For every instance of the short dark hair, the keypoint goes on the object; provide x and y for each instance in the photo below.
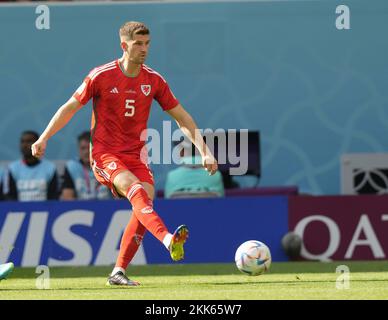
(30, 132)
(84, 136)
(130, 28)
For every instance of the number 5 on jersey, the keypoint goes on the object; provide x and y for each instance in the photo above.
(130, 107)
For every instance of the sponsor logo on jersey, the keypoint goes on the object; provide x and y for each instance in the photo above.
(146, 89)
(114, 90)
(112, 165)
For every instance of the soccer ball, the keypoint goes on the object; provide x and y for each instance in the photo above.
(253, 258)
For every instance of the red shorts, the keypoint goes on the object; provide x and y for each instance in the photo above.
(106, 166)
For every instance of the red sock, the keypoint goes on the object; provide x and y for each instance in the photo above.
(142, 208)
(130, 242)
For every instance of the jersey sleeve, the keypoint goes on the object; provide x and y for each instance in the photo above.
(85, 91)
(164, 96)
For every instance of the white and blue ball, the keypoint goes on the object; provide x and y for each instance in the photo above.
(253, 258)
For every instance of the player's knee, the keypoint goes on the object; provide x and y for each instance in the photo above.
(123, 182)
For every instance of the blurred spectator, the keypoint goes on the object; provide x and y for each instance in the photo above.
(30, 179)
(191, 180)
(78, 181)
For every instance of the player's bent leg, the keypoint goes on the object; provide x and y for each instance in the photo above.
(142, 205)
(174, 242)
(143, 209)
(5, 270)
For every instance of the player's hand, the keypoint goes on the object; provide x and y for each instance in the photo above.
(38, 148)
(210, 164)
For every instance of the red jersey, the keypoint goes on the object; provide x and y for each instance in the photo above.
(121, 105)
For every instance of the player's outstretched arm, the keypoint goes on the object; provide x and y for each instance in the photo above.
(188, 126)
(57, 122)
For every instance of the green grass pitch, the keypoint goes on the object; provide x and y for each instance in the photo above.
(291, 280)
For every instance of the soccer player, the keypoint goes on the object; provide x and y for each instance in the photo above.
(122, 93)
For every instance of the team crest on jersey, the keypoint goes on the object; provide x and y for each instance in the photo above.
(112, 165)
(146, 89)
